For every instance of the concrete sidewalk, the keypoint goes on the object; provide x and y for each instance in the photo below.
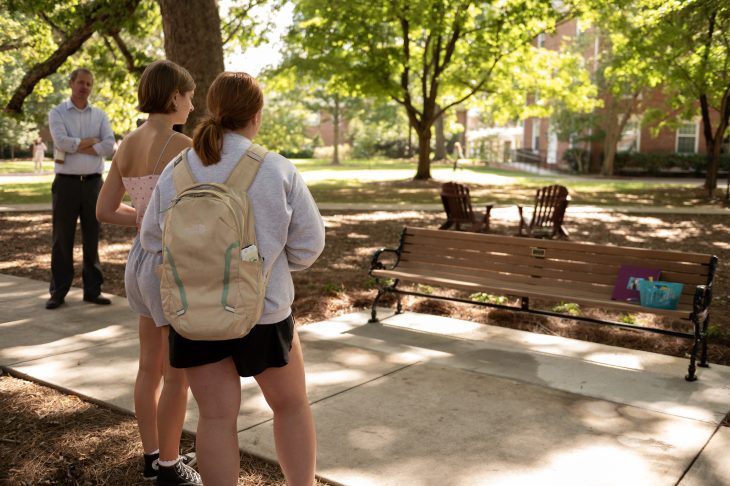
(422, 400)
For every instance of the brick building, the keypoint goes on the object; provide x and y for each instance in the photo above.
(540, 138)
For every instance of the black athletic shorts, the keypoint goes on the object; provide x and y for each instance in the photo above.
(266, 346)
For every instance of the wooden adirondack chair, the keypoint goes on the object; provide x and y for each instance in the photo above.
(547, 217)
(459, 213)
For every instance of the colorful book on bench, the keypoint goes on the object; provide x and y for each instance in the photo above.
(625, 287)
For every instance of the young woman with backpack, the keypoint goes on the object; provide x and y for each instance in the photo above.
(165, 93)
(290, 236)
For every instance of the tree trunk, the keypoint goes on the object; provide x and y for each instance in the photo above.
(609, 146)
(609, 159)
(336, 132)
(424, 154)
(713, 163)
(714, 140)
(409, 152)
(193, 40)
(615, 130)
(440, 149)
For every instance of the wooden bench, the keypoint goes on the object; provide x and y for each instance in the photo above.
(564, 271)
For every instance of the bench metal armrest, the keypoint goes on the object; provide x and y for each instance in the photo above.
(701, 302)
(376, 264)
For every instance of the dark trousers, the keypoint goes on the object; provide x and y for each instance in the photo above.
(74, 198)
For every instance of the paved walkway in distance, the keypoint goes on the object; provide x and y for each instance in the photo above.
(499, 211)
(420, 400)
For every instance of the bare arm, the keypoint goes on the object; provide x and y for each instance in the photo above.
(86, 146)
(109, 206)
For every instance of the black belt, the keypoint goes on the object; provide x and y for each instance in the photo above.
(81, 177)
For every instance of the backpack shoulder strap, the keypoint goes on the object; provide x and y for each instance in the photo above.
(245, 172)
(182, 177)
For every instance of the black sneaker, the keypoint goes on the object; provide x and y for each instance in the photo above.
(150, 466)
(189, 459)
(178, 475)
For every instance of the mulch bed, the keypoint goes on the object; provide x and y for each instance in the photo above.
(50, 438)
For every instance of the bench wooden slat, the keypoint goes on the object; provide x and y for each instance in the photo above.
(579, 272)
(587, 288)
(526, 291)
(495, 252)
(577, 247)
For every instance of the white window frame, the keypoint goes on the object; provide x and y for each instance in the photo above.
(535, 135)
(697, 137)
(633, 119)
(541, 40)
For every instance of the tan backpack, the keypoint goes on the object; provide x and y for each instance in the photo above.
(211, 281)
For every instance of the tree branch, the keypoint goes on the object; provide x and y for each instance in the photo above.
(405, 75)
(60, 32)
(67, 48)
(476, 88)
(11, 46)
(131, 65)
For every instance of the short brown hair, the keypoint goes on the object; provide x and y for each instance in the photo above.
(159, 83)
(75, 73)
(233, 101)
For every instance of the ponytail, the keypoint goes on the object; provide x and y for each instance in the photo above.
(233, 100)
(208, 140)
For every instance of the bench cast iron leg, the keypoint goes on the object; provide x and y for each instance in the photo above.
(399, 306)
(693, 356)
(373, 311)
(703, 356)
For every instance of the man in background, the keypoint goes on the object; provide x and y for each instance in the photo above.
(83, 133)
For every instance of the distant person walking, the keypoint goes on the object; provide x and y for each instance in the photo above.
(39, 151)
(290, 237)
(166, 93)
(83, 133)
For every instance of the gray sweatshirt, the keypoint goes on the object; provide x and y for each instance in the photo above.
(289, 229)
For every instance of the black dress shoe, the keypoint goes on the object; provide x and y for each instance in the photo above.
(98, 299)
(54, 301)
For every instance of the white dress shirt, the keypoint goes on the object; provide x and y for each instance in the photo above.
(69, 125)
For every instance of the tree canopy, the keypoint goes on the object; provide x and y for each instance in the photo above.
(427, 55)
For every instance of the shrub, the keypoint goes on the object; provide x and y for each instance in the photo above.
(577, 159)
(488, 298)
(568, 308)
(328, 151)
(655, 163)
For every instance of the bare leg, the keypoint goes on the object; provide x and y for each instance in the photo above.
(147, 386)
(217, 389)
(172, 406)
(286, 393)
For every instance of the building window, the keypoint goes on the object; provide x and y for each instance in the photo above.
(541, 39)
(536, 134)
(687, 138)
(630, 140)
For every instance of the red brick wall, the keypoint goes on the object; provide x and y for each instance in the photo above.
(326, 131)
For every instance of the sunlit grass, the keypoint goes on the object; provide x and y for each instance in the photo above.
(22, 166)
(389, 181)
(25, 193)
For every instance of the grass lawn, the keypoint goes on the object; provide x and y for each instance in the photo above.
(22, 166)
(384, 181)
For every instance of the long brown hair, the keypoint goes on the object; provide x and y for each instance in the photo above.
(233, 101)
(159, 82)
